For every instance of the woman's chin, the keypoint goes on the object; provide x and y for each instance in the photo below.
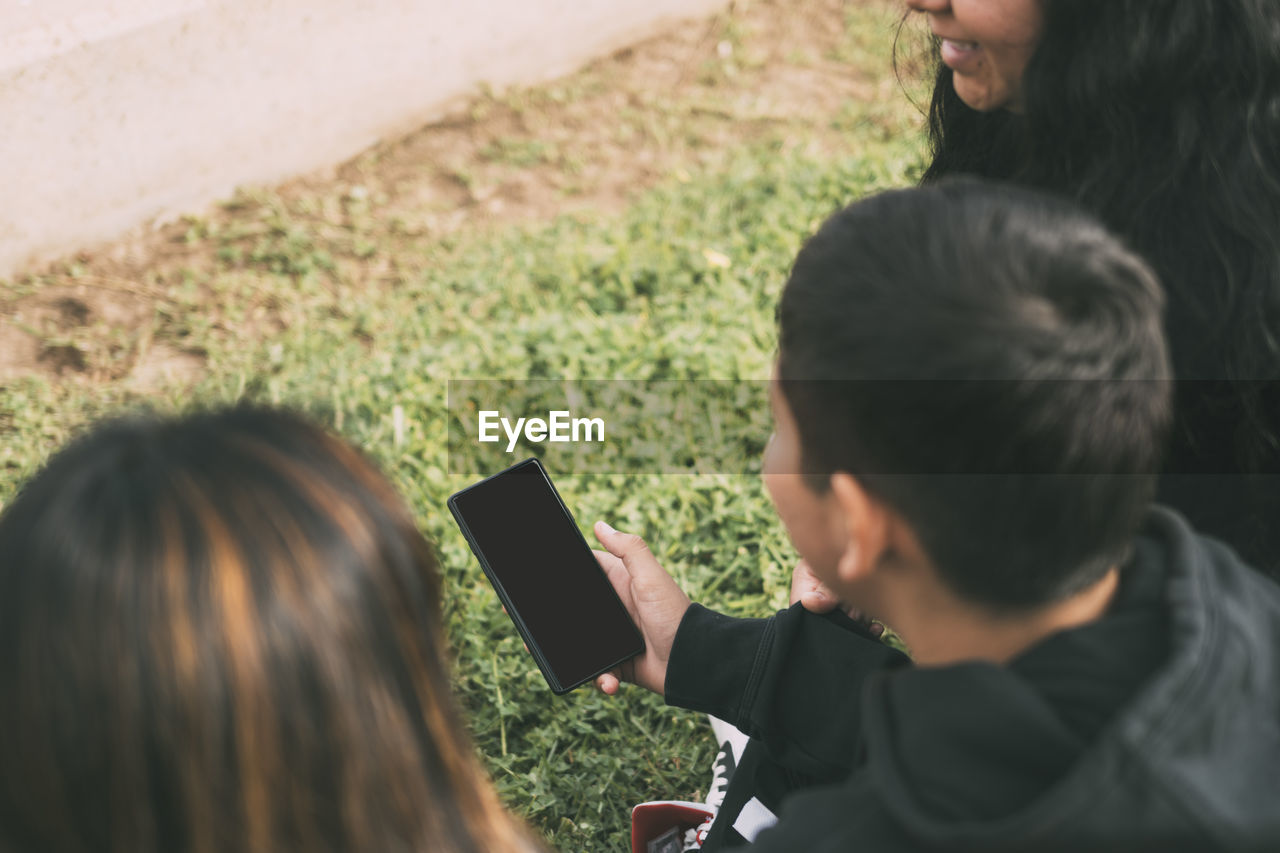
(980, 97)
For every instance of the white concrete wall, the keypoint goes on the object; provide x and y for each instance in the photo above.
(117, 111)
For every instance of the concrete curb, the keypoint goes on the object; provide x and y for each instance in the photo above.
(123, 112)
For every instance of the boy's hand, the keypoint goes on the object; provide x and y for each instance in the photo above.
(817, 597)
(809, 591)
(654, 600)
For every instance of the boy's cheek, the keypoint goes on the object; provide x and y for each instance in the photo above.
(804, 516)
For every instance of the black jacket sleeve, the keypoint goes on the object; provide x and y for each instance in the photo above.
(834, 819)
(792, 681)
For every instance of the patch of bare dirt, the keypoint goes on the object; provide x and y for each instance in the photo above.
(672, 105)
(19, 352)
(57, 328)
(163, 366)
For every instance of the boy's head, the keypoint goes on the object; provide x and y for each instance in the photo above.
(984, 364)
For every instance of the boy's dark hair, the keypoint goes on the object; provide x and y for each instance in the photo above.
(990, 363)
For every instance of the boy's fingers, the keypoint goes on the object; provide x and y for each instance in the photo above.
(812, 593)
(817, 601)
(504, 610)
(629, 548)
(607, 683)
(616, 572)
(611, 564)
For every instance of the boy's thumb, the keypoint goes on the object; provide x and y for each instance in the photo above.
(625, 545)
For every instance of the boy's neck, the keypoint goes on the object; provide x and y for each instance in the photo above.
(939, 629)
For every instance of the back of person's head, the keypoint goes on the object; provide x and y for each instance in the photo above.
(223, 632)
(988, 362)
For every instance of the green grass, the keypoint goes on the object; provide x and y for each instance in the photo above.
(627, 297)
(643, 294)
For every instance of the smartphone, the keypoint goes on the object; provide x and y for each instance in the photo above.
(555, 592)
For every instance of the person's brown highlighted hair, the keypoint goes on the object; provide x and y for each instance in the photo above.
(222, 632)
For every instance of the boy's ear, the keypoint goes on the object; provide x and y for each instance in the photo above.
(866, 528)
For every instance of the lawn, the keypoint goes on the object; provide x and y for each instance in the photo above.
(357, 296)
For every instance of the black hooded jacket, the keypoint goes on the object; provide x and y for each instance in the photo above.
(1156, 727)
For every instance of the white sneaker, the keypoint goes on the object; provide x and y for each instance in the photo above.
(732, 742)
(694, 838)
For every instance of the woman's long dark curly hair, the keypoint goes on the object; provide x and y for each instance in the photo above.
(1162, 117)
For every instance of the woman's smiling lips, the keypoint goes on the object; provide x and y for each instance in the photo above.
(957, 54)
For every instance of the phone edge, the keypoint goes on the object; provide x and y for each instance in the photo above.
(539, 658)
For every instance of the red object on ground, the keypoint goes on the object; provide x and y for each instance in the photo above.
(650, 820)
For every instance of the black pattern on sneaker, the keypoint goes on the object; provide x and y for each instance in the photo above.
(721, 773)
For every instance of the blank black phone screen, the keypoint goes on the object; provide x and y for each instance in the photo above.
(546, 573)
